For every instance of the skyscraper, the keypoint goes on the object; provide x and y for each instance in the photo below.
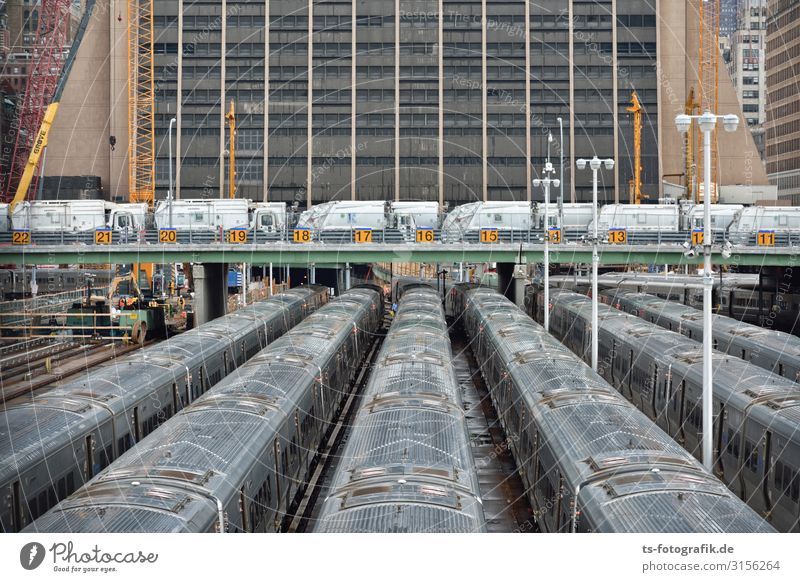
(432, 100)
(783, 112)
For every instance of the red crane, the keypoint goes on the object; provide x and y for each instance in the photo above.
(46, 63)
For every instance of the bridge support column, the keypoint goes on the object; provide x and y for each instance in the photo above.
(505, 274)
(210, 291)
(347, 277)
(270, 279)
(520, 282)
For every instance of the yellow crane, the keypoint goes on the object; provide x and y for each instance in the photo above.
(141, 111)
(40, 142)
(690, 109)
(636, 183)
(709, 76)
(141, 102)
(231, 117)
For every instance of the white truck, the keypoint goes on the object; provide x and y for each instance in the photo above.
(344, 215)
(415, 214)
(476, 216)
(78, 216)
(639, 218)
(722, 216)
(208, 215)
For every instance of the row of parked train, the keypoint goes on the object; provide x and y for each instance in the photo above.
(590, 460)
(650, 351)
(20, 283)
(735, 295)
(667, 222)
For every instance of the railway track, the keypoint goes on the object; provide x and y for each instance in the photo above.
(505, 505)
(38, 365)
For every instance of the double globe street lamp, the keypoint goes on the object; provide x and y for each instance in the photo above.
(707, 123)
(595, 164)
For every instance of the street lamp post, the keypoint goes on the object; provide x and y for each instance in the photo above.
(707, 122)
(545, 184)
(561, 173)
(169, 192)
(595, 163)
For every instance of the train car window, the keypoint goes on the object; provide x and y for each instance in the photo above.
(136, 428)
(89, 457)
(17, 506)
(42, 506)
(175, 396)
(243, 510)
(225, 361)
(733, 443)
(780, 369)
(105, 456)
(750, 456)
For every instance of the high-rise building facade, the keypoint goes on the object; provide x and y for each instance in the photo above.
(729, 16)
(783, 98)
(397, 99)
(746, 66)
(359, 95)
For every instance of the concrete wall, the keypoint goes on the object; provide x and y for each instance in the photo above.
(739, 160)
(79, 139)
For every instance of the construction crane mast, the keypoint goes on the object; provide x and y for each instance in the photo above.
(141, 102)
(690, 108)
(40, 101)
(636, 184)
(709, 76)
(231, 117)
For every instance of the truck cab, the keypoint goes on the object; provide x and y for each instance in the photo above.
(268, 217)
(127, 217)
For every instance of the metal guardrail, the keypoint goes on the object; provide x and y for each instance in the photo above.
(382, 236)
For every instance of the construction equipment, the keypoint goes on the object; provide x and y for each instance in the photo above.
(709, 76)
(46, 81)
(231, 117)
(690, 109)
(141, 112)
(636, 183)
(141, 102)
(131, 316)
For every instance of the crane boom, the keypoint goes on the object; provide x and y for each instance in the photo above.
(231, 117)
(636, 109)
(40, 142)
(141, 103)
(689, 109)
(709, 75)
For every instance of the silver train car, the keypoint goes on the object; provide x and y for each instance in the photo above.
(589, 460)
(234, 460)
(408, 464)
(16, 283)
(772, 350)
(52, 444)
(756, 413)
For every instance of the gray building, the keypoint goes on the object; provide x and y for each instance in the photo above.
(358, 96)
(783, 98)
(729, 16)
(384, 99)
